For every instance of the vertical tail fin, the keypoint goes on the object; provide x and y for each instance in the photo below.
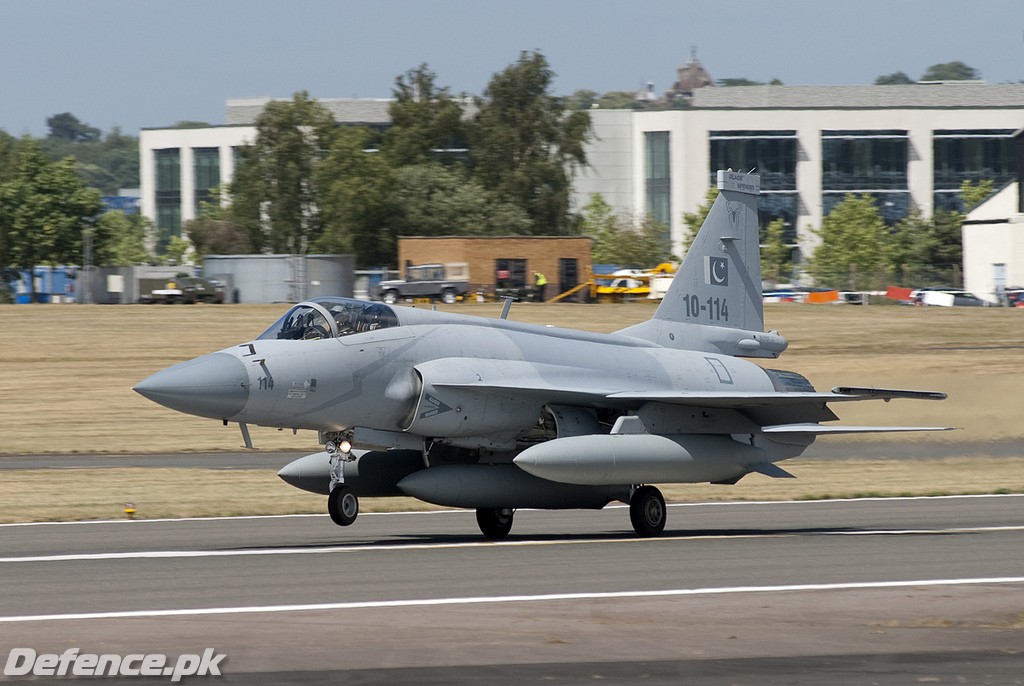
(719, 282)
(714, 302)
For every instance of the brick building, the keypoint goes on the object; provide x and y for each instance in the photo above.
(500, 262)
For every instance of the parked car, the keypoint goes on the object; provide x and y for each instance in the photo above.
(422, 281)
(946, 297)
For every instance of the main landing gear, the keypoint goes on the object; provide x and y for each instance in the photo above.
(494, 522)
(647, 511)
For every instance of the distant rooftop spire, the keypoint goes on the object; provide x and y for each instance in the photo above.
(692, 76)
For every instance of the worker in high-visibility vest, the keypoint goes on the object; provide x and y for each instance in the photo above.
(540, 282)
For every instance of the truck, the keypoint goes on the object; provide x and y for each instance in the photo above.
(434, 281)
(186, 289)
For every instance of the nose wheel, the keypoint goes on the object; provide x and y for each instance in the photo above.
(647, 511)
(342, 505)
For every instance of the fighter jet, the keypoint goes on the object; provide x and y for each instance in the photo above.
(495, 415)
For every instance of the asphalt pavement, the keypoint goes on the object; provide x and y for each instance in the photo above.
(890, 591)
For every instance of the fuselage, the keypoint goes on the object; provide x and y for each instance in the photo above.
(386, 378)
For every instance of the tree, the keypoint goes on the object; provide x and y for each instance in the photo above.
(854, 241)
(44, 209)
(951, 71)
(177, 251)
(582, 99)
(8, 155)
(107, 163)
(776, 254)
(726, 83)
(975, 194)
(67, 127)
(354, 198)
(120, 239)
(212, 235)
(694, 220)
(117, 155)
(600, 223)
(526, 146)
(618, 241)
(896, 78)
(907, 256)
(434, 200)
(425, 120)
(619, 100)
(274, 191)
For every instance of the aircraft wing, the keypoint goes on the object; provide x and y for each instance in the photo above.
(556, 383)
(794, 412)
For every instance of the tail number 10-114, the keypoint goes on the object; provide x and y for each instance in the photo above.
(715, 309)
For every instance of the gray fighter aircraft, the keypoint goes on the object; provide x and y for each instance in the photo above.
(497, 415)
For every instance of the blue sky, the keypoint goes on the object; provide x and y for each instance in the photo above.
(141, 63)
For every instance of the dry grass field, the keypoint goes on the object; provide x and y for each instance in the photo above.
(66, 373)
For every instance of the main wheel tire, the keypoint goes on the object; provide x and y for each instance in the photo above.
(343, 506)
(647, 511)
(494, 522)
(448, 296)
(390, 297)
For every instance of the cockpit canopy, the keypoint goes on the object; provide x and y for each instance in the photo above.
(330, 318)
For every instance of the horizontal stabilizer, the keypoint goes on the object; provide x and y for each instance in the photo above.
(887, 393)
(819, 430)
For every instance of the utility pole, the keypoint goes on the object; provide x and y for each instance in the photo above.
(85, 278)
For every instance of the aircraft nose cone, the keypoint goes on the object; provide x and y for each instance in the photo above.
(215, 386)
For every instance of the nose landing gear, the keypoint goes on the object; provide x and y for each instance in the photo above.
(342, 503)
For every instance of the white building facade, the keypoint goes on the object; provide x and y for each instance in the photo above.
(179, 167)
(908, 146)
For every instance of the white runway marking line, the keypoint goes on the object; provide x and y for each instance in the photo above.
(710, 503)
(399, 547)
(383, 604)
(225, 518)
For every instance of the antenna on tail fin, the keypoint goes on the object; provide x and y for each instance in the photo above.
(714, 302)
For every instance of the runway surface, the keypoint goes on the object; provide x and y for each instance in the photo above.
(892, 591)
(256, 459)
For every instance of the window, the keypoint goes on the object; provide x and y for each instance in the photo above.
(970, 155)
(206, 172)
(772, 155)
(509, 273)
(864, 160)
(168, 195)
(657, 148)
(867, 162)
(893, 207)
